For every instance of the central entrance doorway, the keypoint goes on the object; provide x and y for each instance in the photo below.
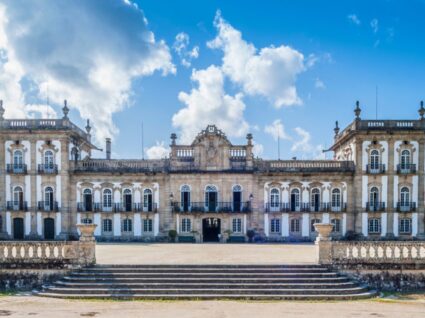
(211, 228)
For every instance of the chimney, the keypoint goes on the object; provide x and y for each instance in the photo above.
(108, 148)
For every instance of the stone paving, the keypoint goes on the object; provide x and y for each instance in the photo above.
(137, 253)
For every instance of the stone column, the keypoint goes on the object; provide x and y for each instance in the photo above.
(3, 232)
(357, 192)
(421, 189)
(87, 245)
(390, 190)
(68, 207)
(32, 172)
(323, 243)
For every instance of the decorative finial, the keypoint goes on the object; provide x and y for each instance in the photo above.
(422, 110)
(1, 109)
(88, 127)
(249, 138)
(357, 111)
(336, 129)
(173, 139)
(65, 109)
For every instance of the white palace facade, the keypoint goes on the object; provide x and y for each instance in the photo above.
(211, 189)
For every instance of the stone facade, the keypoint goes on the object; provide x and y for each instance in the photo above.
(211, 189)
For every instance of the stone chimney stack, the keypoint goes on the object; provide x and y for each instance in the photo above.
(108, 148)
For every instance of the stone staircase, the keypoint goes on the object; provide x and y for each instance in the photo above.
(257, 282)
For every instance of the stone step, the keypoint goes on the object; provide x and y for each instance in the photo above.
(222, 266)
(203, 270)
(362, 295)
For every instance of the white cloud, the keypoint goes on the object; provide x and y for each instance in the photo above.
(276, 130)
(318, 83)
(209, 104)
(304, 146)
(270, 72)
(374, 25)
(258, 149)
(353, 19)
(88, 52)
(159, 151)
(181, 47)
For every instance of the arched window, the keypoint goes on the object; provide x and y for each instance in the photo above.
(211, 198)
(274, 198)
(87, 200)
(107, 225)
(48, 159)
(48, 199)
(336, 225)
(404, 198)
(405, 159)
(107, 199)
(185, 197)
(147, 200)
(237, 198)
(295, 200)
(374, 199)
(312, 222)
(18, 159)
(127, 198)
(127, 225)
(295, 226)
(336, 199)
(18, 198)
(374, 160)
(315, 199)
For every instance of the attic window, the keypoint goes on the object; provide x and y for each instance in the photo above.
(16, 142)
(406, 142)
(48, 142)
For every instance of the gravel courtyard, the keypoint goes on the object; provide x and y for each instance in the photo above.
(134, 253)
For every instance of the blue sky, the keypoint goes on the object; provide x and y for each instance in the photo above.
(331, 53)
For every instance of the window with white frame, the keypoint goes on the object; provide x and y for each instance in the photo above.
(275, 226)
(374, 198)
(295, 199)
(127, 225)
(374, 226)
(237, 225)
(147, 200)
(405, 159)
(274, 198)
(147, 225)
(295, 226)
(404, 197)
(405, 226)
(48, 159)
(315, 199)
(336, 225)
(87, 221)
(18, 158)
(312, 222)
(336, 198)
(107, 198)
(374, 159)
(186, 225)
(185, 197)
(107, 225)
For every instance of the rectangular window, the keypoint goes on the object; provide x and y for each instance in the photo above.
(147, 225)
(295, 225)
(186, 225)
(314, 221)
(374, 226)
(405, 226)
(107, 225)
(336, 225)
(237, 225)
(127, 225)
(275, 226)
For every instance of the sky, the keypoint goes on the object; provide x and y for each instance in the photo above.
(282, 70)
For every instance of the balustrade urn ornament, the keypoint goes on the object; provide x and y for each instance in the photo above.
(357, 110)
(65, 109)
(422, 110)
(324, 230)
(87, 231)
(336, 129)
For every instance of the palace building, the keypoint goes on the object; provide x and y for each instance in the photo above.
(211, 189)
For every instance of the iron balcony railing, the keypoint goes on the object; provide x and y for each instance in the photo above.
(375, 169)
(135, 207)
(47, 206)
(17, 205)
(305, 207)
(213, 207)
(375, 206)
(48, 169)
(16, 168)
(88, 207)
(406, 206)
(406, 168)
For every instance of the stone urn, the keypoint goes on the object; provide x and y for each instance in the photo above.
(324, 230)
(87, 231)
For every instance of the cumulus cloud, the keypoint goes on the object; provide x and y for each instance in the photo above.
(374, 25)
(353, 19)
(158, 151)
(258, 149)
(304, 145)
(276, 130)
(270, 72)
(318, 83)
(181, 47)
(88, 52)
(208, 103)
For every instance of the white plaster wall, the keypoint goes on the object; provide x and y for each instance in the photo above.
(27, 153)
(156, 195)
(384, 194)
(244, 224)
(415, 197)
(384, 224)
(344, 192)
(58, 159)
(326, 193)
(97, 221)
(137, 225)
(137, 196)
(8, 189)
(364, 224)
(38, 156)
(344, 223)
(58, 224)
(365, 154)
(117, 196)
(38, 189)
(397, 144)
(305, 229)
(39, 224)
(156, 224)
(395, 193)
(78, 222)
(325, 218)
(395, 224)
(27, 196)
(8, 223)
(414, 224)
(266, 195)
(305, 193)
(117, 224)
(7, 157)
(285, 192)
(415, 154)
(178, 223)
(59, 190)
(27, 227)
(285, 224)
(266, 224)
(97, 196)
(364, 190)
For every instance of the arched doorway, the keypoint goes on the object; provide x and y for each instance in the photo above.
(49, 229)
(211, 228)
(18, 228)
(211, 198)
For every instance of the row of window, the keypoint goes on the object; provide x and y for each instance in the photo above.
(295, 225)
(336, 198)
(126, 225)
(404, 226)
(186, 225)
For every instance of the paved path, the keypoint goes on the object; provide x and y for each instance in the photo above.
(136, 253)
(19, 306)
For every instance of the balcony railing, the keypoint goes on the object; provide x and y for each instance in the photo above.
(375, 169)
(375, 206)
(214, 207)
(406, 206)
(47, 169)
(17, 206)
(47, 206)
(406, 168)
(88, 207)
(305, 207)
(16, 168)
